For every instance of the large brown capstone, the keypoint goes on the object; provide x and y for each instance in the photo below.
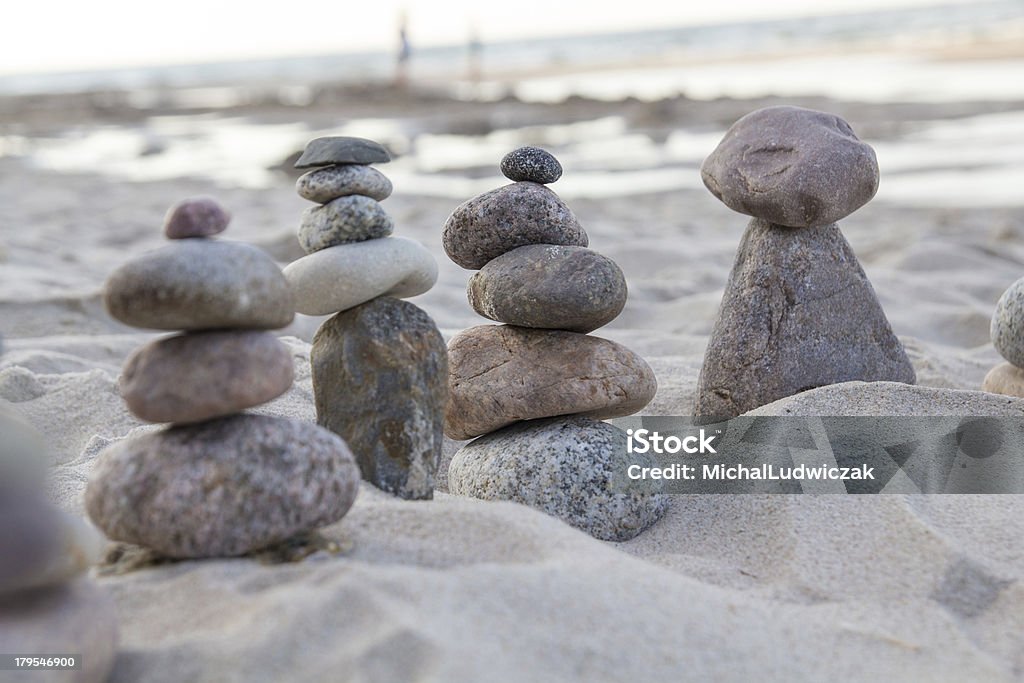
(512, 216)
(797, 313)
(380, 381)
(792, 166)
(202, 375)
(221, 488)
(499, 374)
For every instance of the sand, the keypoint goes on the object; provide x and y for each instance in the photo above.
(728, 588)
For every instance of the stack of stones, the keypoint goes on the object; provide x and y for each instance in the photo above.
(798, 311)
(214, 482)
(1008, 338)
(46, 605)
(379, 364)
(538, 385)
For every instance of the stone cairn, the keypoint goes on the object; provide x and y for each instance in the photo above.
(538, 386)
(214, 482)
(379, 364)
(47, 606)
(1008, 338)
(798, 311)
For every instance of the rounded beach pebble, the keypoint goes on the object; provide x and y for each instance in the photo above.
(548, 286)
(74, 618)
(196, 217)
(342, 150)
(531, 163)
(325, 184)
(1005, 379)
(200, 285)
(1008, 324)
(342, 221)
(488, 225)
(222, 488)
(499, 374)
(199, 376)
(338, 278)
(565, 467)
(793, 167)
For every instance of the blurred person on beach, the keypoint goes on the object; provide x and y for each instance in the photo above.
(404, 53)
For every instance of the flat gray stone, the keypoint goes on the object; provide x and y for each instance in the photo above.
(379, 379)
(871, 399)
(196, 217)
(488, 225)
(197, 284)
(1007, 328)
(342, 277)
(798, 313)
(74, 618)
(565, 467)
(331, 182)
(343, 221)
(203, 375)
(531, 163)
(222, 488)
(792, 166)
(548, 286)
(342, 150)
(499, 374)
(41, 545)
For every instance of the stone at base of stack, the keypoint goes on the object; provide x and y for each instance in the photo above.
(533, 390)
(216, 482)
(379, 363)
(1007, 332)
(46, 605)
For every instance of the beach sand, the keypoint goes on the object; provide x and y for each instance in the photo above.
(725, 588)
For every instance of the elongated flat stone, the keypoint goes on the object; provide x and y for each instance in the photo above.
(342, 150)
(324, 184)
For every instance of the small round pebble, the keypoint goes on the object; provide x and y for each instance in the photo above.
(569, 467)
(331, 182)
(531, 163)
(342, 221)
(222, 488)
(196, 217)
(1005, 379)
(203, 375)
(1008, 324)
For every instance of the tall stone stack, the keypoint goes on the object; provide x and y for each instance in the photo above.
(798, 311)
(47, 606)
(535, 388)
(379, 364)
(1008, 337)
(216, 481)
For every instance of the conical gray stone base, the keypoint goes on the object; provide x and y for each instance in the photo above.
(798, 313)
(380, 377)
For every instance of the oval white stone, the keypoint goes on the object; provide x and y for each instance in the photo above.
(338, 278)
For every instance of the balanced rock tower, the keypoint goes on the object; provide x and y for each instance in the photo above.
(1008, 338)
(47, 606)
(798, 311)
(214, 482)
(379, 364)
(538, 385)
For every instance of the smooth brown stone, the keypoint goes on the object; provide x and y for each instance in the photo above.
(499, 374)
(199, 376)
(1006, 379)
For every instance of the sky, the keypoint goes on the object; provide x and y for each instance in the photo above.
(71, 35)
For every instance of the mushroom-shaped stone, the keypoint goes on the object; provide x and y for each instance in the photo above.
(342, 150)
(793, 167)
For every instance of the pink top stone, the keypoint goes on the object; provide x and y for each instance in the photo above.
(195, 217)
